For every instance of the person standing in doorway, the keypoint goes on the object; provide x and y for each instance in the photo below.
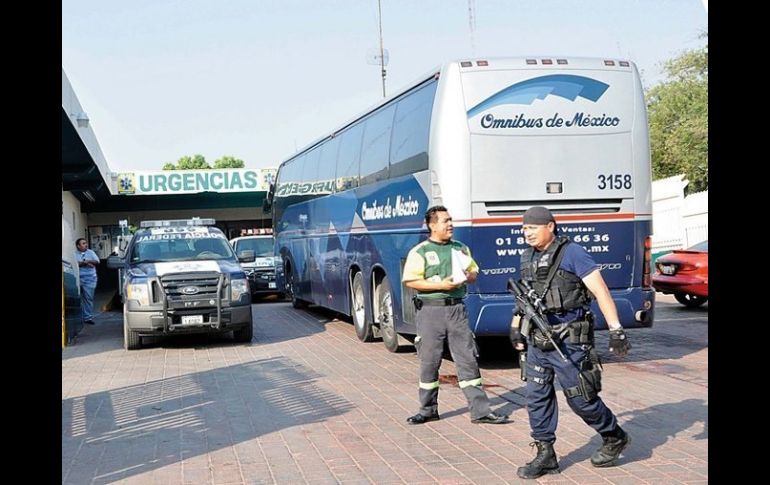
(439, 269)
(87, 261)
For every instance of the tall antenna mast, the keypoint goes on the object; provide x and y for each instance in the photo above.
(382, 52)
(379, 56)
(472, 25)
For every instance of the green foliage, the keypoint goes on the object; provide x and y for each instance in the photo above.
(229, 162)
(198, 162)
(678, 117)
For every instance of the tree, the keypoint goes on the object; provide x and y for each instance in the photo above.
(229, 162)
(196, 162)
(678, 117)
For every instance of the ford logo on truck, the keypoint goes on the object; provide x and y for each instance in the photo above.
(190, 290)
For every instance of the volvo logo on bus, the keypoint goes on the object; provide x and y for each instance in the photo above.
(190, 290)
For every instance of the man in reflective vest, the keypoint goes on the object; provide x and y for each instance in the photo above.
(438, 268)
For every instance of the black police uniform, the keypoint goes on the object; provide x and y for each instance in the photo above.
(566, 306)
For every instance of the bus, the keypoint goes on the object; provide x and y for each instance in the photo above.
(487, 138)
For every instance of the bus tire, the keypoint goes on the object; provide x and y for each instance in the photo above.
(291, 289)
(390, 337)
(363, 327)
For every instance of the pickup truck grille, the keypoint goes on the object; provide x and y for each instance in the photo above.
(191, 286)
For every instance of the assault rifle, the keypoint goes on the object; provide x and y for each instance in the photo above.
(531, 306)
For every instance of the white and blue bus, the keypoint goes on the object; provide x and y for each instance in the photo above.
(487, 139)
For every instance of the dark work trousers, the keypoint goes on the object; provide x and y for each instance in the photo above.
(436, 324)
(541, 396)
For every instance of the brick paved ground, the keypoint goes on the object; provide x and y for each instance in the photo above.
(306, 402)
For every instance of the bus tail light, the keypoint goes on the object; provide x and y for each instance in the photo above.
(435, 188)
(646, 278)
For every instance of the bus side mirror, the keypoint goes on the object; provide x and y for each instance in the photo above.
(267, 204)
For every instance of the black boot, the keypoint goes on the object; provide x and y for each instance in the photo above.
(544, 462)
(610, 450)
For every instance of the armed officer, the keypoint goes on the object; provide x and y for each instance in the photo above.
(441, 316)
(565, 278)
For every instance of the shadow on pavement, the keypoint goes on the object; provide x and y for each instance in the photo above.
(112, 435)
(655, 425)
(274, 321)
(676, 332)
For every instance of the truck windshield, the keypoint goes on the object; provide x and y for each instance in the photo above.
(262, 247)
(181, 250)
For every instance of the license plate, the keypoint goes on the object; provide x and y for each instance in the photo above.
(667, 269)
(271, 284)
(191, 319)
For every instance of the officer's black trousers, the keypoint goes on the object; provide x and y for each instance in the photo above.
(435, 325)
(541, 395)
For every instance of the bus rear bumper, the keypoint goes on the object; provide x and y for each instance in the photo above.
(636, 308)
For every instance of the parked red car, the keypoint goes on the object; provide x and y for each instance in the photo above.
(685, 273)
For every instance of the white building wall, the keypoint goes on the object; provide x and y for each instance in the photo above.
(73, 226)
(73, 223)
(667, 202)
(695, 218)
(678, 221)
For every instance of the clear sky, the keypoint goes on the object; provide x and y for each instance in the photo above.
(259, 79)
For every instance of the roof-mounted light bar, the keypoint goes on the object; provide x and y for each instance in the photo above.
(195, 221)
(257, 231)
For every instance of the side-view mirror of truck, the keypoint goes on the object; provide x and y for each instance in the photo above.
(115, 262)
(247, 256)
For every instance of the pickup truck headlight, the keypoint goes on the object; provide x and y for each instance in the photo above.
(139, 292)
(238, 287)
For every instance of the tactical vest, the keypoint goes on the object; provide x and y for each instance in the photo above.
(566, 291)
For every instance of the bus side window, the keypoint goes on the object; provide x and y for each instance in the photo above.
(411, 130)
(327, 165)
(310, 172)
(376, 146)
(348, 157)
